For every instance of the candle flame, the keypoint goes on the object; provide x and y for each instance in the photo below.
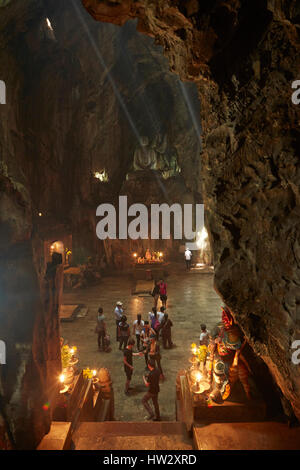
(49, 24)
(62, 378)
(198, 376)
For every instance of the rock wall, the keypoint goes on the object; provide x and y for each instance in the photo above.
(243, 55)
(63, 121)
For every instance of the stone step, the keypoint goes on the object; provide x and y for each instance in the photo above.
(117, 435)
(246, 436)
(59, 437)
(68, 312)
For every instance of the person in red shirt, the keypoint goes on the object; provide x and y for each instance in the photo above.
(163, 292)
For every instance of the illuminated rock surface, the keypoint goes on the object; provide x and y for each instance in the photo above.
(62, 123)
(244, 57)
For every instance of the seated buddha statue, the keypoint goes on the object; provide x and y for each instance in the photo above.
(145, 157)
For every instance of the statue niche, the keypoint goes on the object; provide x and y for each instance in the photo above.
(156, 155)
(145, 157)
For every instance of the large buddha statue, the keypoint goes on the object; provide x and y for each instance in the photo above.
(145, 157)
(156, 155)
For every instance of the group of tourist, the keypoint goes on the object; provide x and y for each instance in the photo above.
(145, 334)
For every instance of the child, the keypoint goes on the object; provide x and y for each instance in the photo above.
(155, 293)
(163, 293)
(127, 360)
(204, 335)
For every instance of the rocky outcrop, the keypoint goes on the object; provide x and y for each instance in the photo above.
(243, 55)
(68, 114)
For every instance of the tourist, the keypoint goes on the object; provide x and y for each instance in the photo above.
(166, 326)
(188, 258)
(154, 353)
(145, 338)
(101, 329)
(128, 367)
(119, 311)
(204, 335)
(138, 326)
(161, 314)
(163, 292)
(123, 332)
(155, 293)
(154, 321)
(152, 382)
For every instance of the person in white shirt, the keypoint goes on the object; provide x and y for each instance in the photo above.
(188, 258)
(161, 314)
(204, 335)
(119, 312)
(138, 326)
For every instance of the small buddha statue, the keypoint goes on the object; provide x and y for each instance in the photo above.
(148, 255)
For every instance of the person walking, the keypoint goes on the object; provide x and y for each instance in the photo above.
(123, 332)
(166, 332)
(138, 326)
(154, 354)
(161, 314)
(155, 293)
(188, 258)
(101, 329)
(119, 311)
(145, 338)
(154, 321)
(163, 292)
(152, 383)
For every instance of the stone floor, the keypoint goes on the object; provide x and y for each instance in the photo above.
(191, 301)
(131, 436)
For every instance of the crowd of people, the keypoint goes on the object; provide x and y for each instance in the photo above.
(144, 335)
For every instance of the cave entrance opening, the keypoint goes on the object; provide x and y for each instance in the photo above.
(57, 247)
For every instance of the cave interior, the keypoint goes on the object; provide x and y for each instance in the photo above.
(178, 104)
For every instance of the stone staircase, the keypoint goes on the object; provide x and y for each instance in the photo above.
(116, 435)
(234, 425)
